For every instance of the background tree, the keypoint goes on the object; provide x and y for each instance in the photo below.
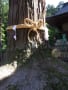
(60, 5)
(51, 9)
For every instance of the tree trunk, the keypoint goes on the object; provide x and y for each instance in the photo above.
(21, 9)
(18, 11)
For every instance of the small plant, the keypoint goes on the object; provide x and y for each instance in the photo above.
(12, 87)
(3, 38)
(22, 56)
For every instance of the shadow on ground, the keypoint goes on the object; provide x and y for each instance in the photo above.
(39, 71)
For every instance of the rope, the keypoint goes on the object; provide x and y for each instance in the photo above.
(37, 35)
(35, 27)
(28, 23)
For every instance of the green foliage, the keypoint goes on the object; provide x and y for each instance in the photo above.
(51, 10)
(3, 38)
(4, 18)
(53, 32)
(4, 11)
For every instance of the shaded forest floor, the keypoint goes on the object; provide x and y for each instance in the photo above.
(40, 72)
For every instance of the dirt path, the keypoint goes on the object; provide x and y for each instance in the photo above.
(42, 75)
(24, 79)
